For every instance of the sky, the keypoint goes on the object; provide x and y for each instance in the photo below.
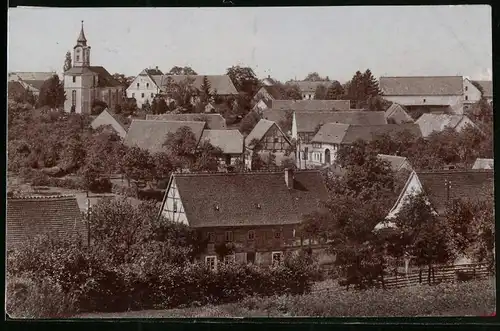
(283, 42)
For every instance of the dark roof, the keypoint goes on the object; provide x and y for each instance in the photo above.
(430, 123)
(254, 198)
(15, 88)
(398, 113)
(214, 121)
(53, 215)
(487, 86)
(222, 84)
(35, 83)
(229, 141)
(154, 72)
(105, 79)
(275, 91)
(310, 86)
(422, 85)
(308, 121)
(311, 105)
(274, 115)
(472, 184)
(151, 134)
(396, 162)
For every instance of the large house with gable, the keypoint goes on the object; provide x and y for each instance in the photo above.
(308, 88)
(487, 87)
(84, 84)
(30, 81)
(430, 123)
(257, 214)
(213, 121)
(397, 114)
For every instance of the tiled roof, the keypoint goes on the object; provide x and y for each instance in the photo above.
(398, 114)
(255, 198)
(214, 121)
(220, 83)
(230, 141)
(108, 117)
(308, 121)
(487, 86)
(472, 184)
(336, 133)
(105, 79)
(154, 72)
(438, 122)
(483, 164)
(39, 76)
(311, 105)
(15, 88)
(53, 215)
(274, 115)
(258, 131)
(37, 84)
(396, 162)
(275, 91)
(309, 86)
(425, 85)
(151, 134)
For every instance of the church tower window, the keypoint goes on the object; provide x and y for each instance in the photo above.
(73, 98)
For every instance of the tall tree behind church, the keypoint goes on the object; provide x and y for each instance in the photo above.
(52, 93)
(67, 62)
(363, 91)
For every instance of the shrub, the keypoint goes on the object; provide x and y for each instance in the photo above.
(101, 185)
(124, 190)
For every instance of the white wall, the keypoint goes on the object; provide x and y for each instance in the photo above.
(146, 86)
(414, 187)
(316, 155)
(168, 207)
(471, 93)
(424, 100)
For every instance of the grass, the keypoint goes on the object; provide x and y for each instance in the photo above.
(475, 298)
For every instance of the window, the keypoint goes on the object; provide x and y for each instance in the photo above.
(277, 235)
(251, 235)
(316, 145)
(424, 100)
(74, 79)
(306, 151)
(175, 206)
(152, 95)
(133, 95)
(276, 139)
(230, 258)
(137, 85)
(466, 97)
(211, 237)
(276, 257)
(147, 85)
(211, 262)
(142, 95)
(229, 236)
(466, 88)
(78, 58)
(73, 98)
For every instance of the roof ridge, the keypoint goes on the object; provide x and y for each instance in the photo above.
(156, 121)
(456, 171)
(43, 197)
(454, 76)
(252, 172)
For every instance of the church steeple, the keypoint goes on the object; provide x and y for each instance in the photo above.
(81, 38)
(81, 51)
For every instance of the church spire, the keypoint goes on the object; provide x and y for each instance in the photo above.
(81, 38)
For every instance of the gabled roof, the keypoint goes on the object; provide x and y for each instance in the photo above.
(40, 76)
(398, 113)
(471, 184)
(248, 199)
(274, 115)
(105, 79)
(214, 121)
(429, 123)
(308, 121)
(222, 84)
(310, 86)
(396, 162)
(311, 105)
(15, 88)
(154, 72)
(336, 133)
(274, 91)
(422, 85)
(483, 164)
(487, 86)
(151, 134)
(109, 117)
(230, 141)
(30, 216)
(260, 130)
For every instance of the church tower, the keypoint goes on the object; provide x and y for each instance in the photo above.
(81, 52)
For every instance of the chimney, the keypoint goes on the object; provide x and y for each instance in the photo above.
(289, 178)
(156, 67)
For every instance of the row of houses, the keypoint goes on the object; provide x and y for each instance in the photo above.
(257, 213)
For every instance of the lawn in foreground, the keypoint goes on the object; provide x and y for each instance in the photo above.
(474, 298)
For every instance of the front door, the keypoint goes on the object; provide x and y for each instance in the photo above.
(327, 156)
(251, 257)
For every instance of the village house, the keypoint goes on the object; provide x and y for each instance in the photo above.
(308, 88)
(397, 114)
(330, 137)
(55, 216)
(144, 88)
(311, 105)
(229, 141)
(471, 93)
(268, 81)
(437, 94)
(305, 125)
(213, 121)
(397, 163)
(271, 139)
(255, 215)
(31, 81)
(483, 164)
(109, 118)
(487, 86)
(268, 93)
(430, 123)
(84, 84)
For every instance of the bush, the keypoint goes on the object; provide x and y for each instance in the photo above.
(101, 185)
(124, 190)
(156, 195)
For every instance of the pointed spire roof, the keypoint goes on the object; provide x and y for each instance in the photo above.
(81, 37)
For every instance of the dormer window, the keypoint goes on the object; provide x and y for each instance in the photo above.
(277, 235)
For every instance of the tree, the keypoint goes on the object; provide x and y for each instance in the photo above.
(146, 107)
(315, 77)
(206, 90)
(161, 106)
(176, 70)
(67, 62)
(137, 164)
(181, 148)
(286, 123)
(52, 93)
(291, 91)
(335, 91)
(370, 84)
(124, 81)
(182, 93)
(244, 79)
(162, 166)
(249, 122)
(207, 157)
(361, 88)
(320, 93)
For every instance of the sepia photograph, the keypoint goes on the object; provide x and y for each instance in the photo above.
(231, 162)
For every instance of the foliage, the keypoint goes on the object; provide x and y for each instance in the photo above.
(249, 122)
(182, 93)
(286, 123)
(335, 91)
(159, 106)
(176, 70)
(137, 164)
(321, 92)
(291, 91)
(162, 166)
(364, 92)
(67, 62)
(244, 79)
(52, 93)
(207, 157)
(98, 106)
(315, 77)
(181, 147)
(206, 90)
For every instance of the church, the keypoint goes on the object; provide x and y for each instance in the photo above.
(84, 84)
